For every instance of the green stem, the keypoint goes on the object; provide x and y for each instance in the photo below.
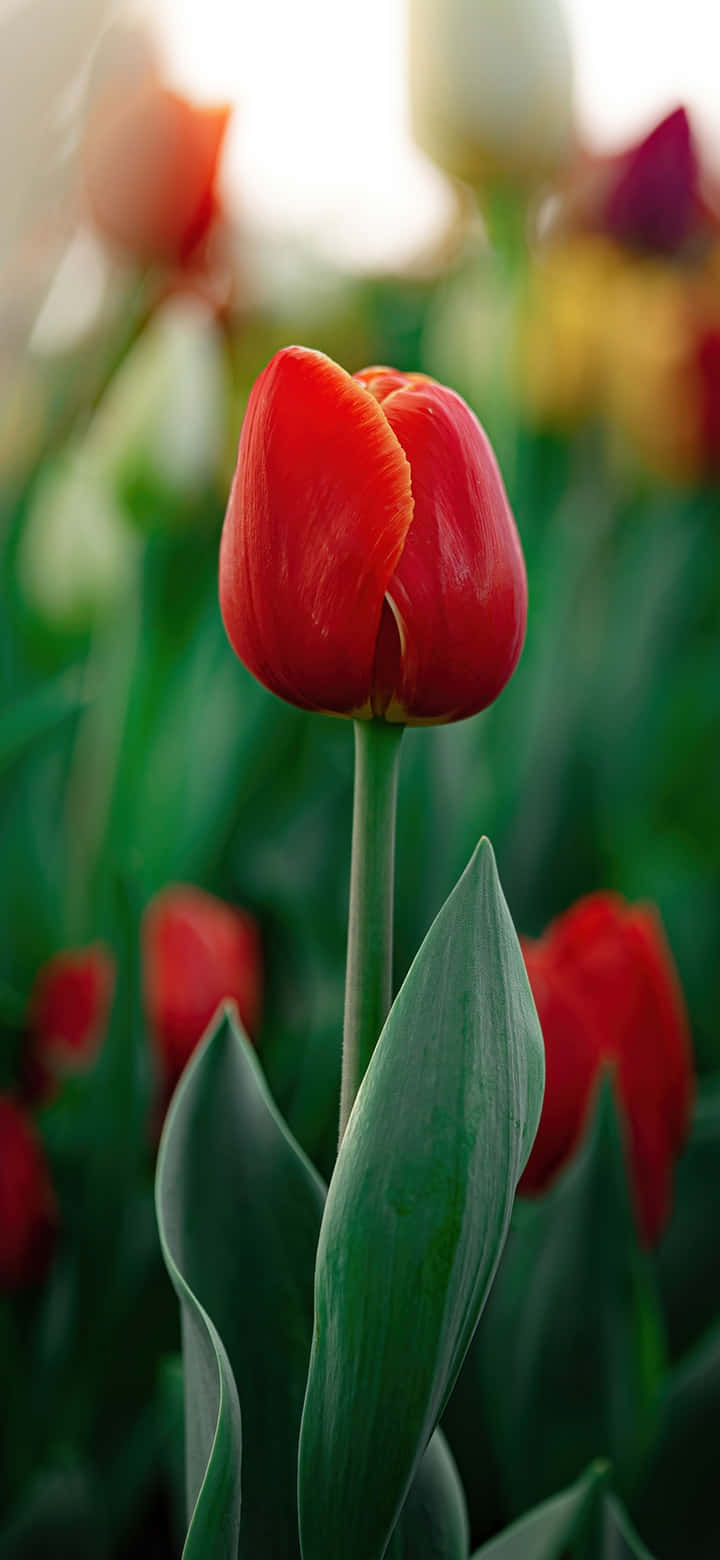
(368, 980)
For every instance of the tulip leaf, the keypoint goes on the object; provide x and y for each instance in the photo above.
(247, 1206)
(416, 1217)
(620, 1541)
(687, 1263)
(546, 1532)
(433, 1523)
(676, 1500)
(570, 1348)
(213, 1449)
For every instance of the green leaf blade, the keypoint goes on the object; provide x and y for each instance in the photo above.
(248, 1207)
(571, 1350)
(417, 1214)
(212, 1414)
(546, 1532)
(433, 1523)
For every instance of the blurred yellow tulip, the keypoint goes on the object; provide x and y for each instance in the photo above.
(562, 330)
(631, 339)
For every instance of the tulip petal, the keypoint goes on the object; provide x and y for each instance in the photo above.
(318, 515)
(459, 592)
(573, 1057)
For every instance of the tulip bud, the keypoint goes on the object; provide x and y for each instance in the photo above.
(607, 993)
(28, 1212)
(68, 1016)
(647, 197)
(369, 563)
(196, 952)
(491, 86)
(151, 161)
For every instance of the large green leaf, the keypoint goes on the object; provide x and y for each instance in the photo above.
(247, 1207)
(544, 1534)
(571, 1345)
(214, 1442)
(416, 1217)
(433, 1523)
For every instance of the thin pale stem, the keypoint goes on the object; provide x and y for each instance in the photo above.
(368, 981)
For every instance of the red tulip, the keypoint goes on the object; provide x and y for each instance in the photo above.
(369, 562)
(151, 161)
(196, 951)
(607, 992)
(28, 1212)
(68, 1016)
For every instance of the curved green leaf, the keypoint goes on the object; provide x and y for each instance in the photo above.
(571, 1344)
(249, 1206)
(416, 1217)
(544, 1534)
(433, 1524)
(213, 1449)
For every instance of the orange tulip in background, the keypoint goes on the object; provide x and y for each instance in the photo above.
(68, 1016)
(28, 1212)
(607, 993)
(196, 951)
(150, 163)
(369, 563)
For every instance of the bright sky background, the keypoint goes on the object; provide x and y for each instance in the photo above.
(321, 144)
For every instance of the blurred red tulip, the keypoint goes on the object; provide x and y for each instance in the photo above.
(652, 200)
(28, 1211)
(151, 162)
(68, 1015)
(607, 992)
(370, 564)
(196, 951)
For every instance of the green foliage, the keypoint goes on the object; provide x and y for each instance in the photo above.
(570, 1348)
(687, 1263)
(433, 1523)
(547, 1532)
(240, 1208)
(416, 1217)
(36, 714)
(676, 1502)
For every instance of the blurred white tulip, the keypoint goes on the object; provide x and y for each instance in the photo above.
(76, 556)
(491, 86)
(164, 413)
